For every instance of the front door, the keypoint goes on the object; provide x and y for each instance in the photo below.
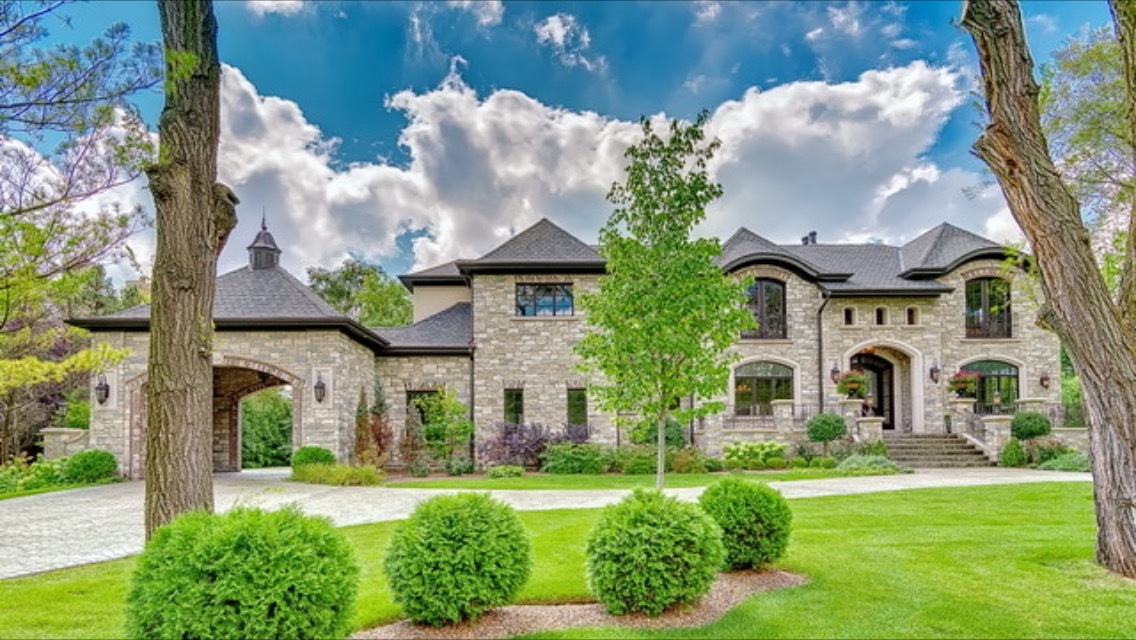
(881, 385)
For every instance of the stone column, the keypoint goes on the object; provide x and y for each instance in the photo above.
(997, 434)
(870, 429)
(850, 411)
(783, 419)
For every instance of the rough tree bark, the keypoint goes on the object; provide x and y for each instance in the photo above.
(194, 216)
(1098, 333)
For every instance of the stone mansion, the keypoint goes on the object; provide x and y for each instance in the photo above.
(499, 330)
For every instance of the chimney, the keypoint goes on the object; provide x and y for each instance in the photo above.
(804, 239)
(812, 237)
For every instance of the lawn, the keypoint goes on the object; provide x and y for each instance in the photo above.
(548, 481)
(997, 562)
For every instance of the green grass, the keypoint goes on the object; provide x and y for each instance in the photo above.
(548, 481)
(991, 562)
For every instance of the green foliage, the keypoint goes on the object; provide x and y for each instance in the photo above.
(714, 465)
(875, 465)
(665, 313)
(826, 427)
(877, 448)
(1013, 455)
(755, 521)
(20, 474)
(570, 457)
(363, 292)
(689, 460)
(266, 438)
(831, 463)
(447, 425)
(1028, 425)
(640, 460)
(312, 455)
(650, 552)
(776, 463)
(1069, 461)
(374, 437)
(1072, 401)
(336, 474)
(458, 466)
(245, 574)
(648, 433)
(798, 463)
(457, 557)
(741, 455)
(1046, 450)
(89, 467)
(77, 415)
(853, 384)
(505, 471)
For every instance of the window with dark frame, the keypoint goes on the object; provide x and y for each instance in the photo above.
(997, 390)
(767, 304)
(988, 312)
(849, 316)
(412, 403)
(912, 316)
(535, 300)
(758, 384)
(578, 406)
(881, 316)
(514, 406)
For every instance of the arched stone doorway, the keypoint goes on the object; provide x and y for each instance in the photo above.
(233, 379)
(898, 392)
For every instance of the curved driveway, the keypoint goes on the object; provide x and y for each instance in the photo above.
(80, 526)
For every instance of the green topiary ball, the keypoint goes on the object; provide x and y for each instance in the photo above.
(245, 574)
(755, 521)
(89, 466)
(826, 427)
(1028, 425)
(312, 455)
(457, 557)
(649, 552)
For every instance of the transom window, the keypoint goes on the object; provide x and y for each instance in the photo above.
(545, 300)
(997, 385)
(758, 384)
(988, 308)
(767, 304)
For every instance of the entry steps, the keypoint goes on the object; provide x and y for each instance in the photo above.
(934, 451)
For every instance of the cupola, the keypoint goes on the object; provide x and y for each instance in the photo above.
(263, 252)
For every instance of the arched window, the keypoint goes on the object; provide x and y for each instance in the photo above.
(997, 385)
(757, 384)
(767, 303)
(988, 308)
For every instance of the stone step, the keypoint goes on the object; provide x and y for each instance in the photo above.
(934, 451)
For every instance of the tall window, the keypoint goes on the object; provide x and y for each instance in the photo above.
(514, 406)
(412, 404)
(881, 315)
(988, 308)
(757, 384)
(912, 316)
(545, 300)
(849, 316)
(767, 303)
(997, 385)
(578, 406)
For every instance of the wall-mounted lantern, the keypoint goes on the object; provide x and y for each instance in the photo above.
(1044, 381)
(935, 372)
(102, 390)
(320, 388)
(835, 373)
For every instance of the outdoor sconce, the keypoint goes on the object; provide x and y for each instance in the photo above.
(935, 372)
(320, 388)
(1044, 380)
(102, 390)
(835, 373)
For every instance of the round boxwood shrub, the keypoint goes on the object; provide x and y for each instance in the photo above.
(88, 467)
(755, 521)
(1028, 425)
(1013, 455)
(650, 552)
(244, 574)
(826, 427)
(457, 557)
(312, 455)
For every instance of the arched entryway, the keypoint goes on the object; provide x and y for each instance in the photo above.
(897, 388)
(881, 386)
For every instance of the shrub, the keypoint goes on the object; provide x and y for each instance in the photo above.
(1049, 449)
(714, 465)
(857, 465)
(1071, 461)
(458, 466)
(648, 433)
(20, 474)
(573, 458)
(775, 463)
(829, 463)
(742, 453)
(642, 460)
(803, 450)
(244, 574)
(336, 474)
(650, 551)
(77, 415)
(505, 471)
(517, 444)
(877, 448)
(689, 460)
(755, 521)
(88, 467)
(447, 426)
(1028, 425)
(798, 463)
(457, 557)
(1013, 455)
(312, 455)
(824, 428)
(755, 465)
(266, 430)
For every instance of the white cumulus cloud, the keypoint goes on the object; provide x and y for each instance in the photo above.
(569, 40)
(489, 13)
(282, 7)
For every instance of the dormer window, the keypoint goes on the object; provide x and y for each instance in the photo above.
(545, 300)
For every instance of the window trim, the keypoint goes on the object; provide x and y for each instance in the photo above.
(881, 314)
(583, 393)
(518, 400)
(531, 289)
(762, 409)
(778, 329)
(979, 322)
(912, 316)
(849, 316)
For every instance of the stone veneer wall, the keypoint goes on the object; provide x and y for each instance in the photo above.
(421, 373)
(343, 364)
(534, 354)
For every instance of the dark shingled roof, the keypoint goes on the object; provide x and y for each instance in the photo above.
(443, 274)
(944, 248)
(449, 330)
(543, 245)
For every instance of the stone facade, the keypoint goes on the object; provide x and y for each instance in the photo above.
(403, 375)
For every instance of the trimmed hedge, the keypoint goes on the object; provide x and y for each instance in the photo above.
(650, 552)
(244, 574)
(755, 521)
(342, 475)
(505, 471)
(457, 557)
(89, 467)
(573, 458)
(1028, 425)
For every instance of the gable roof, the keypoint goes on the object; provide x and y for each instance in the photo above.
(449, 331)
(542, 247)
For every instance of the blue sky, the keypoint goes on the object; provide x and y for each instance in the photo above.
(412, 133)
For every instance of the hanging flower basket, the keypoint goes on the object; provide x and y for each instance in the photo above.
(853, 383)
(964, 383)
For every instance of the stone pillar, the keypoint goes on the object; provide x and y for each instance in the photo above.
(997, 434)
(783, 419)
(869, 429)
(1031, 404)
(850, 410)
(60, 442)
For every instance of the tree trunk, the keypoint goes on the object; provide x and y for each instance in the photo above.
(661, 454)
(194, 218)
(1097, 333)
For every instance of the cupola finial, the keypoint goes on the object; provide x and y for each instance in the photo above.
(263, 252)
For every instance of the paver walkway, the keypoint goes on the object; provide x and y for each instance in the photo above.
(80, 526)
